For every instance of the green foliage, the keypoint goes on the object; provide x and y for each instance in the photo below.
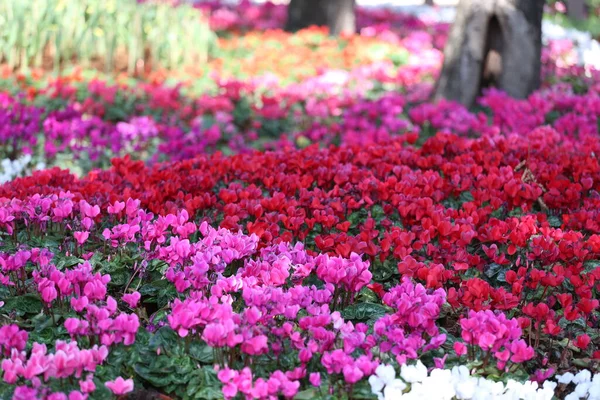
(457, 203)
(555, 221)
(383, 271)
(364, 312)
(32, 33)
(27, 304)
(168, 363)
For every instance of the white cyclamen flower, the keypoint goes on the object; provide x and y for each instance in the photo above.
(384, 375)
(583, 376)
(394, 390)
(414, 373)
(565, 378)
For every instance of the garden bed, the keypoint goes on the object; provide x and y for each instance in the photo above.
(323, 231)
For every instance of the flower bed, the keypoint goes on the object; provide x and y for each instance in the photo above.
(497, 224)
(376, 246)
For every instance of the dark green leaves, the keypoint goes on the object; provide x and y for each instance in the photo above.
(30, 304)
(364, 312)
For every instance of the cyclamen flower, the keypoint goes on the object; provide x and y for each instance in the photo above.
(116, 208)
(242, 381)
(384, 375)
(81, 237)
(460, 348)
(315, 379)
(416, 373)
(412, 328)
(132, 299)
(120, 386)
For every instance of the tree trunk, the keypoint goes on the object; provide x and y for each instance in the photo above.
(492, 43)
(341, 17)
(429, 2)
(337, 15)
(305, 13)
(576, 9)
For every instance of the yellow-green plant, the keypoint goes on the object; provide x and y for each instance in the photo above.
(35, 33)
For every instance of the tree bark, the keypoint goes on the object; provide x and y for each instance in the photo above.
(492, 43)
(305, 13)
(341, 17)
(337, 15)
(576, 9)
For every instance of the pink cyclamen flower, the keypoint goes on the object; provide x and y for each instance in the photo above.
(78, 304)
(120, 386)
(116, 208)
(520, 351)
(132, 299)
(487, 340)
(315, 379)
(48, 291)
(460, 348)
(87, 386)
(81, 237)
(440, 362)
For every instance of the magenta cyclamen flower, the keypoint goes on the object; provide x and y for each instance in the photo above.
(132, 299)
(81, 236)
(120, 386)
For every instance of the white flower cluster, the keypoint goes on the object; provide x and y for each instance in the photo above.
(444, 384)
(586, 387)
(10, 169)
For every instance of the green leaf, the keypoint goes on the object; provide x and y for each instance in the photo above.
(119, 278)
(166, 339)
(308, 394)
(364, 311)
(466, 196)
(377, 212)
(158, 377)
(383, 271)
(591, 265)
(26, 304)
(68, 262)
(555, 221)
(492, 270)
(209, 393)
(201, 352)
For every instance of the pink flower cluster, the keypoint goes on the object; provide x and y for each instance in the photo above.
(412, 327)
(494, 334)
(350, 274)
(268, 320)
(12, 338)
(191, 263)
(37, 368)
(242, 382)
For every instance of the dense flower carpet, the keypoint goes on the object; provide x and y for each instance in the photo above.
(306, 224)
